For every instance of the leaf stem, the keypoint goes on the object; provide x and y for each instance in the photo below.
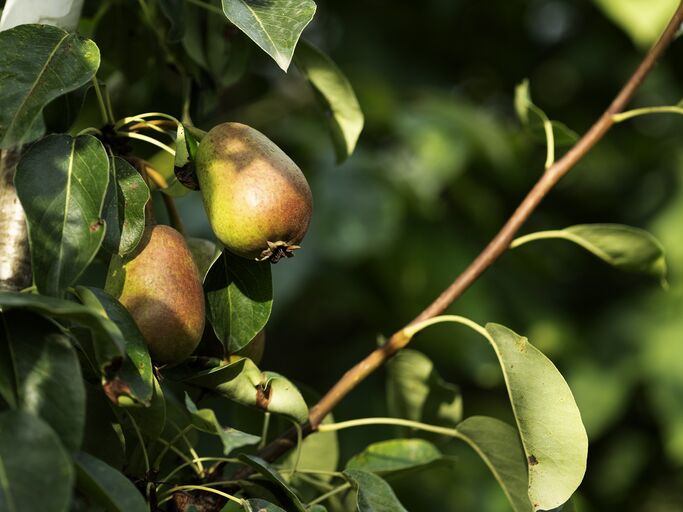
(100, 101)
(618, 118)
(362, 422)
(169, 494)
(207, 6)
(146, 138)
(264, 431)
(329, 494)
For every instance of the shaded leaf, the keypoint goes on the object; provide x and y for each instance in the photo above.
(549, 422)
(186, 145)
(275, 25)
(258, 505)
(37, 474)
(103, 436)
(373, 493)
(46, 373)
(151, 418)
(624, 247)
(124, 208)
(205, 254)
(417, 392)
(136, 372)
(499, 446)
(175, 12)
(395, 455)
(105, 486)
(61, 183)
(206, 421)
(239, 298)
(38, 63)
(265, 469)
(336, 96)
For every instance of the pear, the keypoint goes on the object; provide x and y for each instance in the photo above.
(161, 288)
(257, 200)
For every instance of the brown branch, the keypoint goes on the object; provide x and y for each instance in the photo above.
(493, 250)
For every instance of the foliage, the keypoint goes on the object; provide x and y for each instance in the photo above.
(89, 419)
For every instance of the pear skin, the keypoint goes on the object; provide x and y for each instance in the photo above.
(161, 288)
(257, 199)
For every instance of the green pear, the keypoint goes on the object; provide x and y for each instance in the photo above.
(257, 200)
(161, 288)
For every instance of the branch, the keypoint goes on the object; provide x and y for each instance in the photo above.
(493, 250)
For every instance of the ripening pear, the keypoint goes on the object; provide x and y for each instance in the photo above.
(256, 198)
(161, 288)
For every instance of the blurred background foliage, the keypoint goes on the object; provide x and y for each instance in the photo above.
(441, 164)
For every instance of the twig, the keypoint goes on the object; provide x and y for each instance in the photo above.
(498, 245)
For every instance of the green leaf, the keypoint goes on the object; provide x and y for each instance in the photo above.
(205, 254)
(175, 12)
(151, 418)
(624, 247)
(105, 487)
(206, 421)
(124, 208)
(258, 505)
(265, 469)
(239, 298)
(373, 493)
(415, 391)
(37, 475)
(38, 63)
(275, 25)
(136, 374)
(499, 446)
(103, 436)
(283, 397)
(642, 20)
(395, 455)
(47, 374)
(336, 96)
(61, 183)
(109, 350)
(549, 422)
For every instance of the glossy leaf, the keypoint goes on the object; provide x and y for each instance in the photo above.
(238, 381)
(61, 183)
(206, 421)
(239, 298)
(124, 208)
(47, 374)
(105, 487)
(37, 474)
(283, 397)
(499, 446)
(336, 96)
(415, 391)
(549, 422)
(373, 493)
(265, 469)
(135, 375)
(205, 254)
(38, 63)
(624, 247)
(109, 350)
(395, 455)
(275, 25)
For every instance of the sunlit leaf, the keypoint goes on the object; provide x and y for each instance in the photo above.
(642, 20)
(395, 455)
(336, 96)
(38, 63)
(61, 183)
(274, 25)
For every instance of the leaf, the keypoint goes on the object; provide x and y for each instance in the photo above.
(47, 374)
(205, 254)
(265, 469)
(415, 391)
(258, 505)
(283, 397)
(239, 298)
(395, 455)
(60, 13)
(185, 150)
(38, 63)
(206, 421)
(549, 422)
(124, 208)
(37, 474)
(499, 446)
(373, 493)
(642, 20)
(624, 247)
(105, 487)
(61, 183)
(151, 417)
(336, 96)
(274, 25)
(103, 436)
(175, 12)
(109, 350)
(136, 373)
